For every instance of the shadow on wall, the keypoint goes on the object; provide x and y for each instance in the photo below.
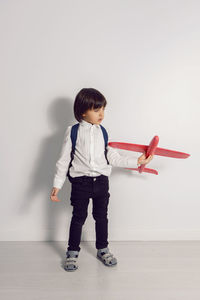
(59, 116)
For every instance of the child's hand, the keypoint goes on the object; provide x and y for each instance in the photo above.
(54, 193)
(143, 160)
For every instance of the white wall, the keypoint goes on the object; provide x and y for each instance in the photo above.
(144, 57)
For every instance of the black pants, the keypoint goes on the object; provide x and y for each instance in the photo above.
(83, 188)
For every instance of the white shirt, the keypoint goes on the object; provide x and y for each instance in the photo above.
(89, 158)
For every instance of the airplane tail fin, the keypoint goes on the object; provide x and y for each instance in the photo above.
(147, 170)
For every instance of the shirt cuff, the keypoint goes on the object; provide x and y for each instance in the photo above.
(58, 184)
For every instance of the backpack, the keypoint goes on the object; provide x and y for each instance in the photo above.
(74, 131)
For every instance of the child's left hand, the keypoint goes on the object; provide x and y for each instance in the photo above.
(143, 160)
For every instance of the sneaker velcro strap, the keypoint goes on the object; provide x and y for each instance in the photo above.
(71, 259)
(107, 257)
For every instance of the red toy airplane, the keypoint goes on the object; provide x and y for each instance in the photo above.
(150, 149)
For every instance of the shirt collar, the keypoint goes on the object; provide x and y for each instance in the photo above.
(88, 124)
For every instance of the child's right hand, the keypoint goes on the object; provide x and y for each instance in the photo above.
(54, 193)
(143, 160)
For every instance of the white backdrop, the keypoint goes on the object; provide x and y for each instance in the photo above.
(144, 57)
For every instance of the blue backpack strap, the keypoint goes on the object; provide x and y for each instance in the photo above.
(105, 135)
(74, 131)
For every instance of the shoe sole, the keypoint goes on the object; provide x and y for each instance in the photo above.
(99, 258)
(70, 270)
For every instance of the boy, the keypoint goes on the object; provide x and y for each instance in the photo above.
(89, 173)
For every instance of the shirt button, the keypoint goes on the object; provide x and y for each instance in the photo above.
(94, 179)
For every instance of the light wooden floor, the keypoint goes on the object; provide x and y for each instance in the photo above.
(146, 270)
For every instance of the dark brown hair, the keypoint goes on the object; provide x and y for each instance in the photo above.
(87, 98)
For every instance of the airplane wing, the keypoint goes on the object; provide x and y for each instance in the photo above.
(127, 146)
(143, 148)
(170, 153)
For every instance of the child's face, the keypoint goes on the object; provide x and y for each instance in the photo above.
(94, 116)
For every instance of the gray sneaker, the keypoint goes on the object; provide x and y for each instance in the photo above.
(70, 263)
(106, 257)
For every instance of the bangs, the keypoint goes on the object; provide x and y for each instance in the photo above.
(96, 103)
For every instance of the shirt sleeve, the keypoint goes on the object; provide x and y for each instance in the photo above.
(117, 160)
(62, 163)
